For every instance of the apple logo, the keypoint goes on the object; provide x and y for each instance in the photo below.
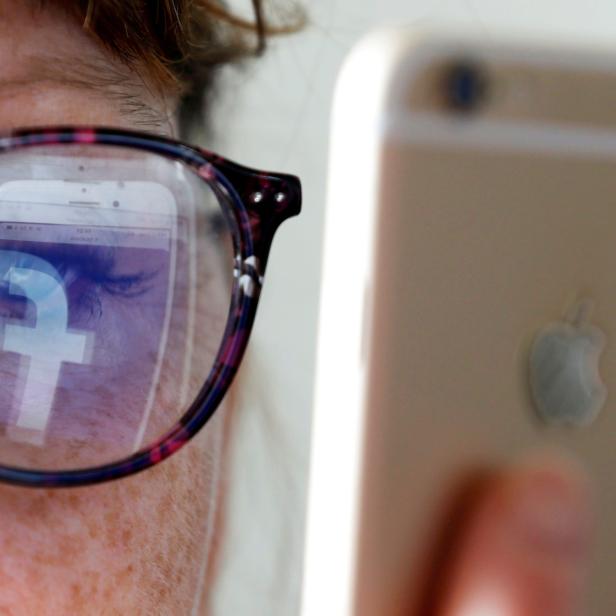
(564, 369)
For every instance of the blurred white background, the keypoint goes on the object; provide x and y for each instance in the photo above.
(275, 116)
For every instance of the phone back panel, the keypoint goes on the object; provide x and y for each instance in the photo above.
(486, 228)
(484, 250)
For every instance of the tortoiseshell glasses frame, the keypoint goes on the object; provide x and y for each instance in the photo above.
(257, 203)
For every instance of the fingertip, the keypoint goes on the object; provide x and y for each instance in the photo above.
(527, 545)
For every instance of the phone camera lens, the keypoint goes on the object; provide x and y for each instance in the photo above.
(466, 87)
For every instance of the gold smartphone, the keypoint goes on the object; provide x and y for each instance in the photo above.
(468, 311)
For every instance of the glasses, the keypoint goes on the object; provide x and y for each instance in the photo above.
(130, 271)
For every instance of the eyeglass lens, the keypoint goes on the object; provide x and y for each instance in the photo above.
(115, 284)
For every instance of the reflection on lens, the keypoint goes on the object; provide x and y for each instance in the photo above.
(114, 294)
(43, 346)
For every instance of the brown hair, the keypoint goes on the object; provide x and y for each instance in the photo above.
(181, 44)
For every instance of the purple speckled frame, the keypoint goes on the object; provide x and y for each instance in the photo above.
(258, 202)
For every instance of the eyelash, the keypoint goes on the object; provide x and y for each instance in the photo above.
(100, 279)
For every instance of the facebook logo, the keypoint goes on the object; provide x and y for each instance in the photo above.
(44, 346)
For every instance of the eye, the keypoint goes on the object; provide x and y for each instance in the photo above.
(85, 274)
(91, 276)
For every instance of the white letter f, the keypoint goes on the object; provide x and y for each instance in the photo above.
(48, 344)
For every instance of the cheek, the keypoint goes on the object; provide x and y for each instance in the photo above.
(135, 546)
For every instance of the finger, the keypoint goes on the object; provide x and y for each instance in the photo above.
(526, 548)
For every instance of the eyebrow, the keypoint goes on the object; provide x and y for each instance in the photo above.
(119, 84)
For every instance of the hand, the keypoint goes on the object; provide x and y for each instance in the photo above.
(526, 547)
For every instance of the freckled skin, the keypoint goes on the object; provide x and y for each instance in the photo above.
(134, 546)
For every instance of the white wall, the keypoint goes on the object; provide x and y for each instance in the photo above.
(276, 117)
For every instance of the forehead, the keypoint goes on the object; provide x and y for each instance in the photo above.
(53, 72)
(28, 32)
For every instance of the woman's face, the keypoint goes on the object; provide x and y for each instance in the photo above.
(145, 544)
